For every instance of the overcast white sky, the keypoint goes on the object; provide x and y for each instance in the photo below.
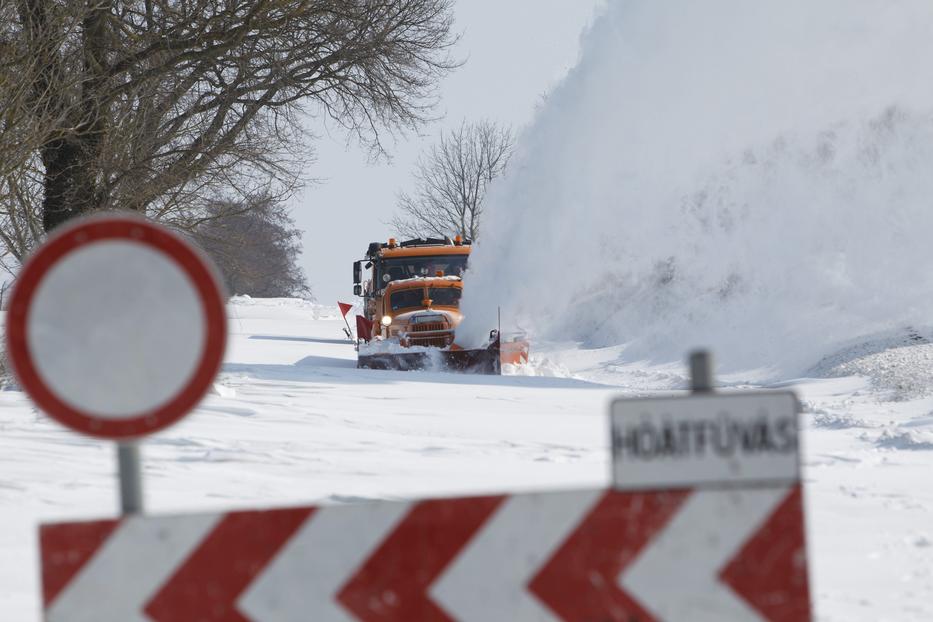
(515, 50)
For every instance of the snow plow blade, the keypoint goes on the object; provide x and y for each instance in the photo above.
(481, 361)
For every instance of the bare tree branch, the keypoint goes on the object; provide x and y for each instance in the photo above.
(160, 106)
(451, 182)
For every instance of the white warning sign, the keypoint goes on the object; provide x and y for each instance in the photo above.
(708, 439)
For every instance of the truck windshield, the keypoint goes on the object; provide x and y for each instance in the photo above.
(398, 268)
(445, 296)
(407, 298)
(440, 296)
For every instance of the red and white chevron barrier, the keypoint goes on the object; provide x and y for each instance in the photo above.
(703, 554)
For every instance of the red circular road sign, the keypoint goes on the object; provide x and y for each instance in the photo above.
(116, 327)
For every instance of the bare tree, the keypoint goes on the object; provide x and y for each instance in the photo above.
(23, 127)
(20, 215)
(159, 106)
(451, 182)
(256, 247)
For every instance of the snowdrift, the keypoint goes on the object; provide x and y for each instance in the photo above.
(750, 177)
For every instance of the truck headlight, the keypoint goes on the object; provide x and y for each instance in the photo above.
(386, 320)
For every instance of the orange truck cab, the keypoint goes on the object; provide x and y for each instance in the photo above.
(411, 295)
(413, 290)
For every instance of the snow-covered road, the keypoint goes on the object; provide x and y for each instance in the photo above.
(294, 422)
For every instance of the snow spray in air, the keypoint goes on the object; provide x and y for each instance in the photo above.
(752, 177)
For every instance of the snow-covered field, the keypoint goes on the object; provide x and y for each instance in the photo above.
(295, 422)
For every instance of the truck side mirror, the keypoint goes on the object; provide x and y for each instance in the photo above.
(357, 290)
(357, 272)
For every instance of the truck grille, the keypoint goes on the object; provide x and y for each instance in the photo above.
(427, 327)
(430, 334)
(435, 341)
(436, 334)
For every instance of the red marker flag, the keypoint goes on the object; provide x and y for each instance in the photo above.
(344, 309)
(364, 328)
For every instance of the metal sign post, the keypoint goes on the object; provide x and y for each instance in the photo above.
(701, 371)
(129, 470)
(116, 329)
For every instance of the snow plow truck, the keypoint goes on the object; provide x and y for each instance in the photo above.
(411, 310)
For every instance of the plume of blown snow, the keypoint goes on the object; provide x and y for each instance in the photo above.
(756, 178)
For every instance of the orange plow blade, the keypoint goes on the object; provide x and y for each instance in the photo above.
(514, 352)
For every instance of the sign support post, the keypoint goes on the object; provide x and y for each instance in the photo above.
(701, 371)
(129, 468)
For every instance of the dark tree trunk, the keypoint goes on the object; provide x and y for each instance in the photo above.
(68, 191)
(71, 175)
